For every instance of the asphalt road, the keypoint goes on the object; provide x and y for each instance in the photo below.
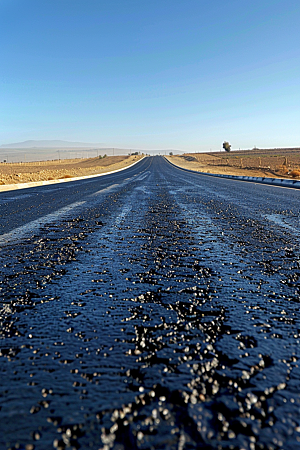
(150, 309)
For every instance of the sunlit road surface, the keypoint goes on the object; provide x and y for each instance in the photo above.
(150, 309)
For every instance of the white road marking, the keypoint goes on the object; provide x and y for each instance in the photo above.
(25, 230)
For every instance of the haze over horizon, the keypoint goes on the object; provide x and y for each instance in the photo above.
(35, 145)
(51, 143)
(41, 150)
(151, 75)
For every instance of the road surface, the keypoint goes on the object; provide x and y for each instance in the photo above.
(150, 309)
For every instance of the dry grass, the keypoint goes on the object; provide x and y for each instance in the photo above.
(277, 163)
(65, 176)
(295, 173)
(13, 173)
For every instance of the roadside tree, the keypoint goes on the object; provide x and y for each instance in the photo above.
(226, 146)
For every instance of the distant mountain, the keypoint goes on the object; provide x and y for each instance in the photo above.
(51, 144)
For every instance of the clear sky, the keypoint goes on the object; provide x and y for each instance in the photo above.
(180, 74)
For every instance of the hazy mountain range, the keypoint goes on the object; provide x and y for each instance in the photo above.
(51, 144)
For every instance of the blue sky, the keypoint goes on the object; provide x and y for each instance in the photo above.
(151, 74)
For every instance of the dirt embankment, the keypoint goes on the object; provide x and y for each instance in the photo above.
(12, 173)
(274, 163)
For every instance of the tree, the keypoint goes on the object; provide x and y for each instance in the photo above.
(226, 146)
(171, 153)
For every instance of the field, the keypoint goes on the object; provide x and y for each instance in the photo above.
(274, 163)
(12, 173)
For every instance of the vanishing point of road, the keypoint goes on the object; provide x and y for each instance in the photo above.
(152, 308)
